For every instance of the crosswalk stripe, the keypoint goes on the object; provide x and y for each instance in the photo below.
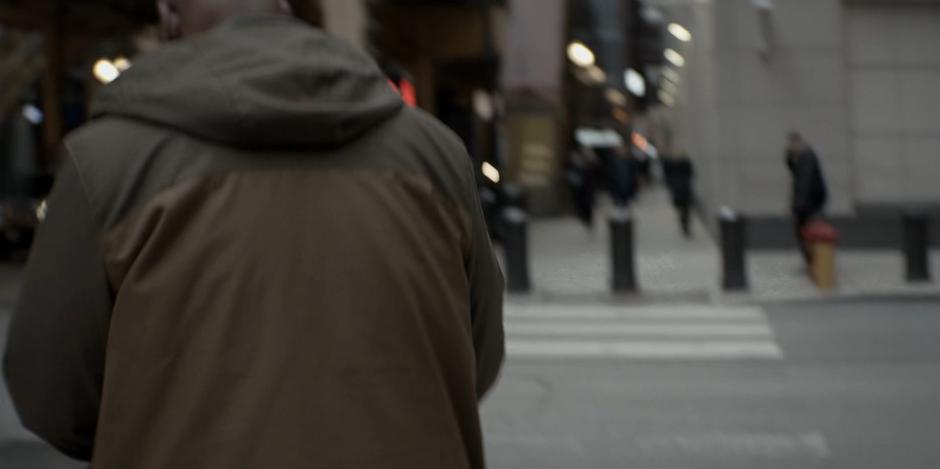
(669, 313)
(607, 329)
(671, 350)
(661, 332)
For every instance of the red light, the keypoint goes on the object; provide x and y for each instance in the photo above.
(408, 93)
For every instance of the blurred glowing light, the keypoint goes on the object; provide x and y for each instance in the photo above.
(669, 87)
(615, 97)
(680, 32)
(41, 210)
(581, 54)
(674, 57)
(666, 98)
(491, 172)
(671, 75)
(622, 116)
(32, 114)
(483, 105)
(598, 138)
(596, 74)
(122, 64)
(653, 15)
(105, 71)
(640, 141)
(635, 82)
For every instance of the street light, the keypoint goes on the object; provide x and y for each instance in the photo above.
(635, 82)
(105, 71)
(581, 54)
(490, 172)
(674, 57)
(680, 32)
(32, 114)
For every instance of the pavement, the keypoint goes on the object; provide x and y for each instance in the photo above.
(853, 385)
(571, 261)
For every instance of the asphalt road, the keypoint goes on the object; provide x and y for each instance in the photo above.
(854, 386)
(795, 386)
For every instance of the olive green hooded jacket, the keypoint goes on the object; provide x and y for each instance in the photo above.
(256, 257)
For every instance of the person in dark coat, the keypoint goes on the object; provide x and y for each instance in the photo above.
(256, 256)
(810, 194)
(679, 173)
(581, 179)
(620, 170)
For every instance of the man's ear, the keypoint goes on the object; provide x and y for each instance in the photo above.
(171, 25)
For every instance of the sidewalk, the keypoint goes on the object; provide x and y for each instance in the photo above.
(778, 276)
(570, 260)
(572, 263)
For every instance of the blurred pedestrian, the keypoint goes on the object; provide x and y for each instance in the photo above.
(679, 174)
(582, 181)
(256, 257)
(621, 176)
(809, 191)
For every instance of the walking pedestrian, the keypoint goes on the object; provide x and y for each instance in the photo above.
(581, 178)
(621, 176)
(256, 257)
(809, 191)
(679, 174)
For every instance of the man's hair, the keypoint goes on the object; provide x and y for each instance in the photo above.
(794, 136)
(309, 11)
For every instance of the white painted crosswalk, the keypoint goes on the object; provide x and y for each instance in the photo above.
(677, 333)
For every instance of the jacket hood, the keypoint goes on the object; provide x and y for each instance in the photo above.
(256, 82)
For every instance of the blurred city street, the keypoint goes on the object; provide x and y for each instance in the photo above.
(682, 375)
(678, 384)
(853, 385)
(718, 224)
(569, 261)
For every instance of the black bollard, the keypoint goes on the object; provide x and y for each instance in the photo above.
(916, 246)
(733, 251)
(516, 244)
(622, 252)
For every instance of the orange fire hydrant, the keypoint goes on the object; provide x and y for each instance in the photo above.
(821, 238)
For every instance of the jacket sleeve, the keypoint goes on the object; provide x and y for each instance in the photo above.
(486, 294)
(54, 360)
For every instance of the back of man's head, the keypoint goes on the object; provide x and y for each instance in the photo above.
(795, 141)
(184, 18)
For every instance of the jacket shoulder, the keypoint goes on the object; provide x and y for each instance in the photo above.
(437, 151)
(111, 155)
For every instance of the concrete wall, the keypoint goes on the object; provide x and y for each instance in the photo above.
(799, 86)
(347, 19)
(860, 79)
(695, 121)
(894, 82)
(736, 104)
